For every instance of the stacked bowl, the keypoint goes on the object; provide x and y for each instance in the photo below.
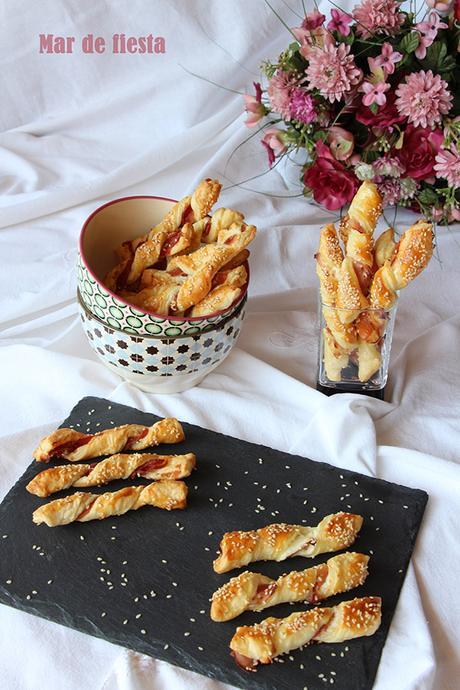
(157, 353)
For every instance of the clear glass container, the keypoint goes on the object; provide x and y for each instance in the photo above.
(354, 348)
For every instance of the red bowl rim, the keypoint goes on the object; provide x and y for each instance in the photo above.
(190, 319)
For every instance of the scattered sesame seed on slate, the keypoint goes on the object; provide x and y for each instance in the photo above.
(4, 536)
(163, 560)
(288, 484)
(218, 467)
(192, 620)
(138, 615)
(186, 634)
(174, 584)
(113, 538)
(143, 631)
(260, 461)
(124, 563)
(200, 648)
(28, 596)
(313, 510)
(246, 472)
(114, 527)
(136, 599)
(125, 622)
(166, 646)
(169, 596)
(8, 582)
(380, 500)
(406, 507)
(49, 582)
(103, 614)
(202, 611)
(400, 571)
(206, 548)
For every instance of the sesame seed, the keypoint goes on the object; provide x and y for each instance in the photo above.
(125, 621)
(144, 632)
(50, 581)
(200, 648)
(138, 615)
(103, 614)
(166, 646)
(82, 537)
(168, 596)
(8, 582)
(186, 634)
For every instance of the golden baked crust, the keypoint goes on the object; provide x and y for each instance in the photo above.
(363, 212)
(83, 507)
(255, 592)
(262, 642)
(120, 466)
(74, 445)
(227, 289)
(280, 541)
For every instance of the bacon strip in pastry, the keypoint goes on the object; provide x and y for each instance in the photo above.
(280, 541)
(190, 209)
(255, 592)
(227, 288)
(120, 466)
(74, 445)
(262, 642)
(83, 507)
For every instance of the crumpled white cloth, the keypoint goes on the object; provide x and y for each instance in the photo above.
(79, 130)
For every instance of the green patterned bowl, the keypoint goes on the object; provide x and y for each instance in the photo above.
(105, 229)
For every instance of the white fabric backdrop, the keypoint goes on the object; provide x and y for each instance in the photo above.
(78, 130)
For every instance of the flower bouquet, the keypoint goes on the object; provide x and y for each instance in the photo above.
(371, 94)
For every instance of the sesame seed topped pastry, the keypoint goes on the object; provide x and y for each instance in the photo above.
(384, 246)
(228, 289)
(83, 507)
(190, 209)
(120, 466)
(262, 642)
(280, 541)
(363, 212)
(255, 592)
(408, 260)
(74, 445)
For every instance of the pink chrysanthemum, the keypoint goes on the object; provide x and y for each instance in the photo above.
(390, 189)
(423, 98)
(333, 72)
(279, 93)
(448, 165)
(388, 166)
(377, 17)
(302, 106)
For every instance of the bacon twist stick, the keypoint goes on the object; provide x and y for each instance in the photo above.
(83, 507)
(120, 466)
(262, 642)
(280, 541)
(74, 445)
(255, 592)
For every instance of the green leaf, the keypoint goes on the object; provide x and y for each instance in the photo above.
(410, 42)
(374, 108)
(436, 55)
(427, 197)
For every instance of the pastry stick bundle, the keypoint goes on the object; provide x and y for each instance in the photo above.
(251, 591)
(191, 263)
(166, 492)
(360, 283)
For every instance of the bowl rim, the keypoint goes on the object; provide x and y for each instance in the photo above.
(190, 319)
(150, 336)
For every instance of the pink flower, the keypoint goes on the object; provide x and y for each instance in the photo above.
(332, 185)
(302, 106)
(341, 142)
(333, 71)
(390, 189)
(388, 166)
(310, 39)
(441, 5)
(274, 143)
(384, 118)
(374, 93)
(313, 20)
(428, 31)
(254, 106)
(377, 17)
(448, 165)
(279, 93)
(340, 22)
(423, 98)
(387, 59)
(417, 155)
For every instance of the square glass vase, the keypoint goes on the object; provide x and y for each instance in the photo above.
(354, 349)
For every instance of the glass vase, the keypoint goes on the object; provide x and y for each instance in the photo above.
(354, 349)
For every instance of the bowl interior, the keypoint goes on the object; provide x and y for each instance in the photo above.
(114, 223)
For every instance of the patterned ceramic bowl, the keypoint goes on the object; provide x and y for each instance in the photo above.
(162, 365)
(105, 229)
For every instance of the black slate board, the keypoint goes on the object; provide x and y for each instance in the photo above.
(98, 576)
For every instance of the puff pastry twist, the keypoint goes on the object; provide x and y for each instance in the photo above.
(83, 507)
(262, 642)
(255, 592)
(120, 466)
(74, 445)
(280, 541)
